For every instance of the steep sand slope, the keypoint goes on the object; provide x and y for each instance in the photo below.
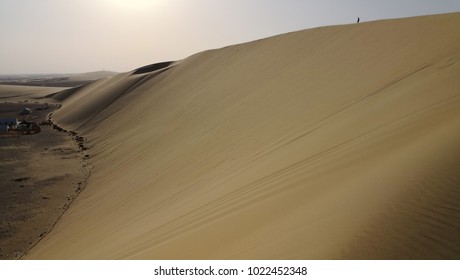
(335, 142)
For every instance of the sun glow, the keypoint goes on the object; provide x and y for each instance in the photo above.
(136, 4)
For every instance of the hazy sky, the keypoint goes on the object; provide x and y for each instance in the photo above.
(71, 36)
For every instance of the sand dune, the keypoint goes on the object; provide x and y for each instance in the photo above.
(92, 76)
(13, 93)
(331, 143)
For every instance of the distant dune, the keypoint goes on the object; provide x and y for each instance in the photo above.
(338, 142)
(92, 76)
(24, 92)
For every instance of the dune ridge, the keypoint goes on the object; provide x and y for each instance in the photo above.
(330, 143)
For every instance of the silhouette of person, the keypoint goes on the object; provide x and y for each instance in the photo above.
(357, 20)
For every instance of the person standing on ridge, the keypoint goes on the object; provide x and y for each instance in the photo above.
(357, 20)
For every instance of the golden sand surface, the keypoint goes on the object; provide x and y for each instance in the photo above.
(338, 142)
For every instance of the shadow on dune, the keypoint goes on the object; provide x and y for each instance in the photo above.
(152, 67)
